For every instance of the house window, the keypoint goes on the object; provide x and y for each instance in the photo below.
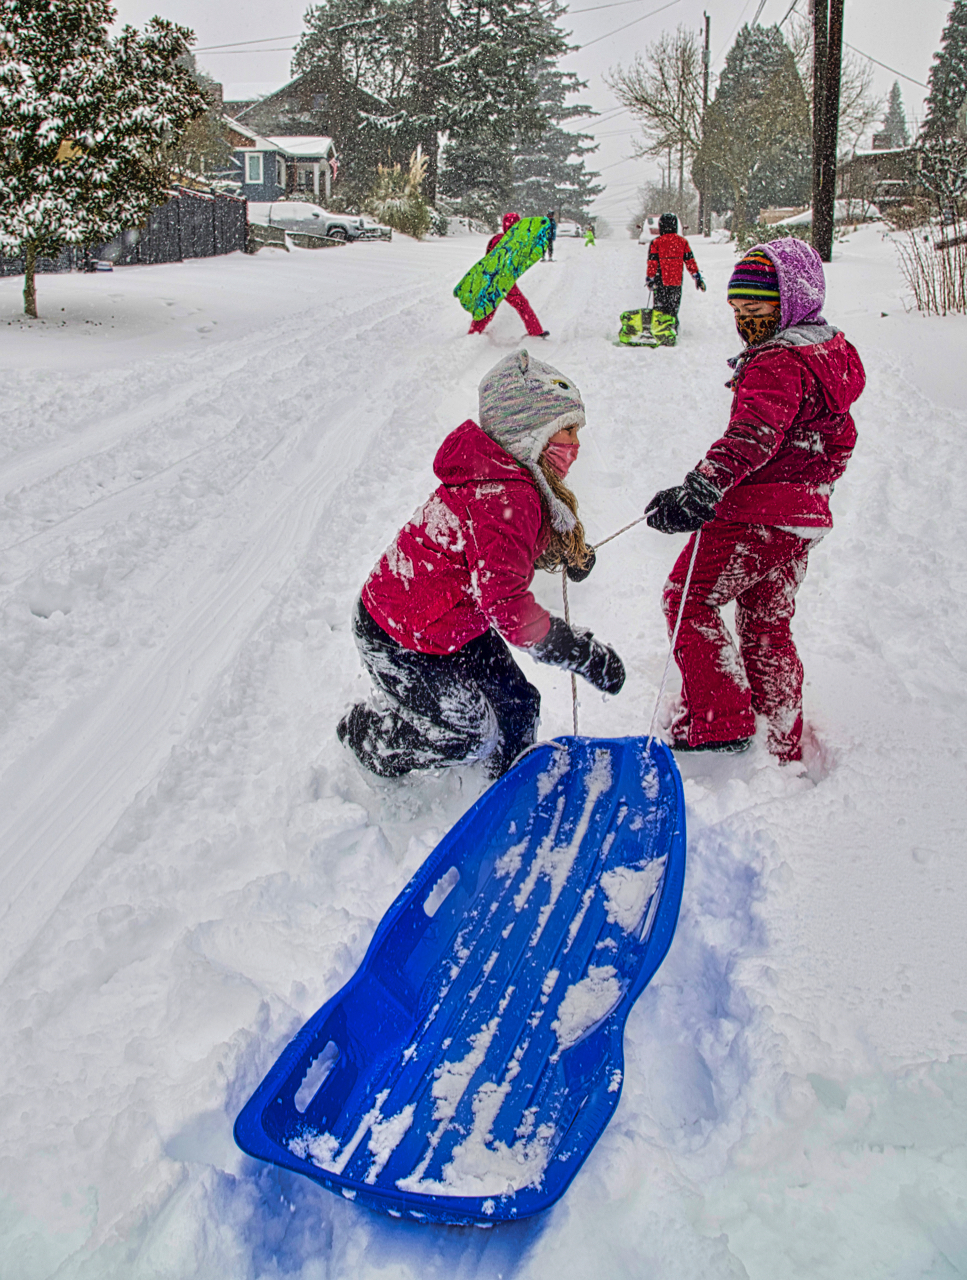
(253, 167)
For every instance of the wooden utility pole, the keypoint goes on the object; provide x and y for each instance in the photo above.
(704, 208)
(827, 63)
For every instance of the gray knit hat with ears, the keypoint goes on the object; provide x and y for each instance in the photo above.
(523, 402)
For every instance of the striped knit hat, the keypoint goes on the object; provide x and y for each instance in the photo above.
(755, 279)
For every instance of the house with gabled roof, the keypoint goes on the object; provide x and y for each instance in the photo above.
(271, 168)
(316, 104)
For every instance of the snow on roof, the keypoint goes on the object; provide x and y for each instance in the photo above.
(256, 141)
(305, 147)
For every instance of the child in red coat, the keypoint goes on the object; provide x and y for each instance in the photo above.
(669, 254)
(515, 298)
(760, 497)
(434, 616)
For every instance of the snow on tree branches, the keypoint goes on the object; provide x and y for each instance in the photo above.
(84, 124)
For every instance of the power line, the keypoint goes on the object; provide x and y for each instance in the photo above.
(607, 34)
(789, 11)
(733, 31)
(237, 44)
(614, 4)
(870, 58)
(224, 53)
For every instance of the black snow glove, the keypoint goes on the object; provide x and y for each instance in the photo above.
(576, 650)
(578, 575)
(699, 282)
(684, 508)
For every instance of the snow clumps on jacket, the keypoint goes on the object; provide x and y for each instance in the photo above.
(465, 562)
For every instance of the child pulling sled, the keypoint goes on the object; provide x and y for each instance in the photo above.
(760, 497)
(668, 255)
(434, 618)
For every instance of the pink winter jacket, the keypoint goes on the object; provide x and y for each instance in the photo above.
(790, 434)
(465, 561)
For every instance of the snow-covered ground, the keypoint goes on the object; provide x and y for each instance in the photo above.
(199, 463)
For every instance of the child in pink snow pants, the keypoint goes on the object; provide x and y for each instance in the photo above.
(760, 497)
(514, 297)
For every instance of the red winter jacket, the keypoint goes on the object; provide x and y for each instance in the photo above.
(465, 561)
(665, 257)
(790, 434)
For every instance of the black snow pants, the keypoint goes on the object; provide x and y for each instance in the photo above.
(439, 709)
(668, 298)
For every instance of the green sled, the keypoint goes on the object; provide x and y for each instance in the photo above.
(490, 280)
(647, 328)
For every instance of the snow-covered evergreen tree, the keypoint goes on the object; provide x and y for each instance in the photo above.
(84, 124)
(757, 144)
(548, 167)
(895, 122)
(948, 78)
(431, 67)
(541, 166)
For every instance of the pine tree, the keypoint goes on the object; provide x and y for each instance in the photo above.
(542, 166)
(756, 147)
(432, 67)
(84, 122)
(547, 167)
(895, 122)
(948, 78)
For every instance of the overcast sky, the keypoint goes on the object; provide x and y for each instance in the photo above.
(905, 36)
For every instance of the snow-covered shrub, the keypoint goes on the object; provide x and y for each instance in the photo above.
(85, 121)
(763, 232)
(936, 268)
(397, 198)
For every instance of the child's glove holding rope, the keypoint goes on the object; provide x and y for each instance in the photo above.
(684, 508)
(578, 575)
(576, 649)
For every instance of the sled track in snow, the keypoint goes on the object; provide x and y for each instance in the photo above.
(65, 793)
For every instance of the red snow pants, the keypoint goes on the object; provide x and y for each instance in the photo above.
(759, 567)
(523, 309)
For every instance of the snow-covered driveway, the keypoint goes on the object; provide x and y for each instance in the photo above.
(198, 465)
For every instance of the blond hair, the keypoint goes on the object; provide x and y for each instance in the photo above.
(563, 548)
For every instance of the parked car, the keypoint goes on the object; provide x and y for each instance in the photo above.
(569, 229)
(649, 230)
(301, 215)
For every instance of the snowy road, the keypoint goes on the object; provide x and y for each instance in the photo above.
(198, 465)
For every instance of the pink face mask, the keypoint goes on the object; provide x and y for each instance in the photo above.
(561, 457)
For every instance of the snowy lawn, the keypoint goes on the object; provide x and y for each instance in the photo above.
(199, 464)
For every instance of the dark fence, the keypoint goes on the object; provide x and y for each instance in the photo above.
(191, 225)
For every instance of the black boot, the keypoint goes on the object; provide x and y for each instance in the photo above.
(731, 748)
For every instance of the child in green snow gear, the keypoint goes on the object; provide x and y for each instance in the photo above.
(668, 254)
(438, 614)
(589, 235)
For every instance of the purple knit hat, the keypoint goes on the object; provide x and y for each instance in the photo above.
(802, 285)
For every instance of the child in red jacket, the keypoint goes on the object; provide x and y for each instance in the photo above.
(760, 497)
(435, 613)
(514, 297)
(668, 255)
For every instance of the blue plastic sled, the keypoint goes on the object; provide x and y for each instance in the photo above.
(464, 1073)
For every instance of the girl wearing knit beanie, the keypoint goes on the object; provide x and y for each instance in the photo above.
(760, 497)
(435, 615)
